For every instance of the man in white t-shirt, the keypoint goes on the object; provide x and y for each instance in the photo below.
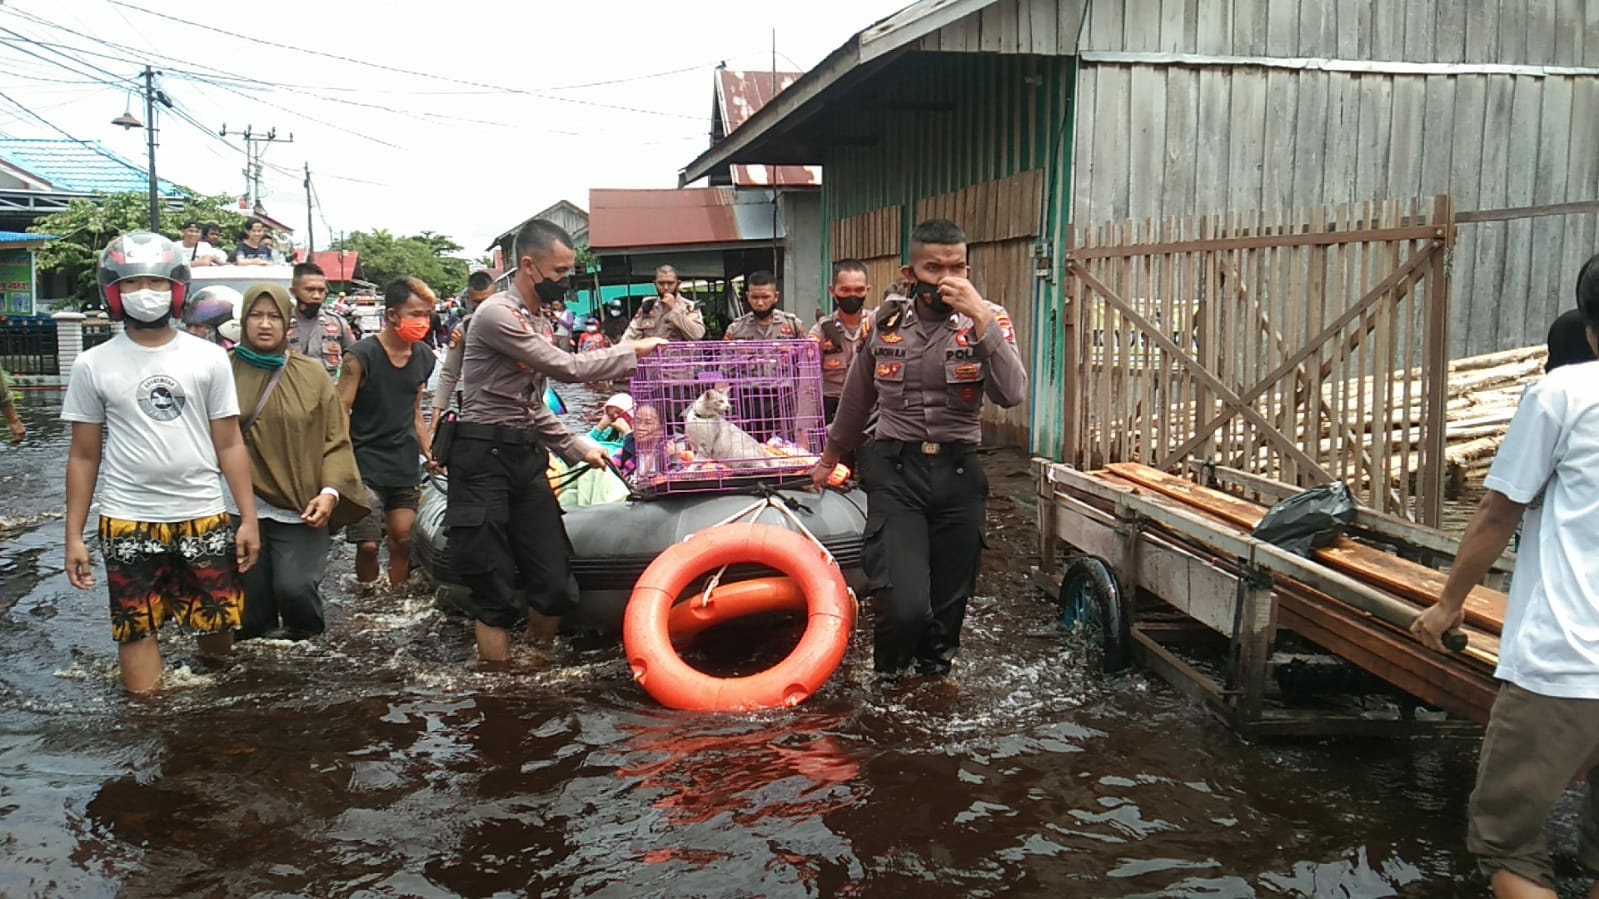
(196, 251)
(164, 405)
(1543, 732)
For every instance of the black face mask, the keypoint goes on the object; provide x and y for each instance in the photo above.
(849, 305)
(763, 315)
(928, 293)
(548, 290)
(308, 311)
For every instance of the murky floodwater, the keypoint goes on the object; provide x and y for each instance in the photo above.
(376, 762)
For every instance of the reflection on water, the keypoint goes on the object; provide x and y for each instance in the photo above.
(376, 761)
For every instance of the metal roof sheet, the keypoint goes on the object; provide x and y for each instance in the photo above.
(19, 237)
(740, 95)
(79, 166)
(671, 218)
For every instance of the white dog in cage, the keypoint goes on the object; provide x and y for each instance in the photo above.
(712, 436)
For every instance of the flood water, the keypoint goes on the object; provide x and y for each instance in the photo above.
(376, 761)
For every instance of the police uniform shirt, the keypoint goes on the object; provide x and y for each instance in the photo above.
(839, 348)
(779, 325)
(683, 323)
(508, 355)
(928, 379)
(324, 337)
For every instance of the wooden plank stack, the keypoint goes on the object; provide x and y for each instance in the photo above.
(1483, 394)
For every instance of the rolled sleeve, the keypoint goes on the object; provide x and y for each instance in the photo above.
(855, 403)
(1527, 457)
(502, 333)
(450, 371)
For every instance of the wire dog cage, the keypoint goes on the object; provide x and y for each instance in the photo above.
(716, 415)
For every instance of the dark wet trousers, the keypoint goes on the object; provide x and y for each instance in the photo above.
(507, 541)
(922, 546)
(283, 587)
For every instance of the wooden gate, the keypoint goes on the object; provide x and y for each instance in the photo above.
(1308, 346)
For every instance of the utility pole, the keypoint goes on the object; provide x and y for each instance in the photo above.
(254, 149)
(310, 236)
(149, 139)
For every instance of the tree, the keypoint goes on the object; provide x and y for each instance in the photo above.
(86, 226)
(385, 257)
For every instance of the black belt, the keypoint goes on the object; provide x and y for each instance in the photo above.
(466, 430)
(926, 448)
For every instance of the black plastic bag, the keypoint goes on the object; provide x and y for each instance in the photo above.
(1309, 521)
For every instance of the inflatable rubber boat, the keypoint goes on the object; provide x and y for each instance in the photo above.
(613, 544)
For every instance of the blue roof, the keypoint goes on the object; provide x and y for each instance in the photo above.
(11, 237)
(79, 166)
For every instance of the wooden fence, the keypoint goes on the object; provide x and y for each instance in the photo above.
(1309, 345)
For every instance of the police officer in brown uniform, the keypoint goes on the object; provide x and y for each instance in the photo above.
(318, 332)
(928, 364)
(669, 315)
(506, 535)
(842, 334)
(763, 321)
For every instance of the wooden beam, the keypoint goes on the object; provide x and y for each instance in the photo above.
(1199, 371)
(1485, 608)
(1311, 347)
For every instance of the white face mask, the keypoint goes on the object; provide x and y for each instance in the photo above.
(147, 305)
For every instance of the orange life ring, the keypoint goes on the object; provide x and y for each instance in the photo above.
(730, 602)
(646, 627)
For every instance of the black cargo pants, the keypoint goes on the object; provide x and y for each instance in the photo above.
(922, 547)
(507, 541)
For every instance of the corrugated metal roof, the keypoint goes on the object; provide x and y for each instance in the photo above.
(18, 237)
(335, 265)
(740, 95)
(621, 219)
(79, 166)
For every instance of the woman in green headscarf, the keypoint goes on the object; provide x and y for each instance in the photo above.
(301, 466)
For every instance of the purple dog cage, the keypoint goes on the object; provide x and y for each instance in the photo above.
(717, 415)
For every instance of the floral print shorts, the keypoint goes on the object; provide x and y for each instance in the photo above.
(184, 570)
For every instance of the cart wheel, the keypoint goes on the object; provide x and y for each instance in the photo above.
(1091, 600)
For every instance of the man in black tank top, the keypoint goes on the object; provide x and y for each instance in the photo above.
(382, 383)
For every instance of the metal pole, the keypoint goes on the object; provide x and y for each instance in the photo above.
(149, 134)
(310, 236)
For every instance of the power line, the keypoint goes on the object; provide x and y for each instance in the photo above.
(399, 71)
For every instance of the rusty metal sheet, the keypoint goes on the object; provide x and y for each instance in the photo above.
(740, 95)
(671, 218)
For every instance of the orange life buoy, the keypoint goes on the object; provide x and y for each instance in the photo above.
(647, 634)
(730, 602)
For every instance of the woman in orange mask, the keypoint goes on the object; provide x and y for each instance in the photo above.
(381, 385)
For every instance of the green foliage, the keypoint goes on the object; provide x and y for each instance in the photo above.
(586, 260)
(86, 226)
(427, 256)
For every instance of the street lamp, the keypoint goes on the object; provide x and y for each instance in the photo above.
(129, 121)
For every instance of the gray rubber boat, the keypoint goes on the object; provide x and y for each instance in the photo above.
(613, 544)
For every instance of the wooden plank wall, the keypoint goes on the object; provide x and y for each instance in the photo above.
(1183, 138)
(1013, 26)
(1179, 140)
(1511, 32)
(875, 233)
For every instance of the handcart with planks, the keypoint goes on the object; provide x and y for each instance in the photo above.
(1165, 571)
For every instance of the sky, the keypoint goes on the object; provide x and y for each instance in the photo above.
(515, 105)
